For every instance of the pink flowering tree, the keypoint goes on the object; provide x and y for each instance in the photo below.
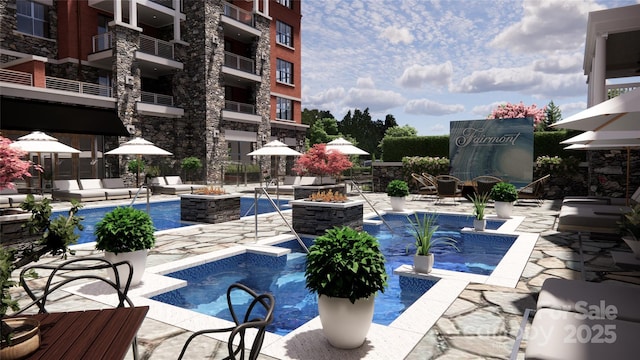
(319, 161)
(11, 166)
(516, 111)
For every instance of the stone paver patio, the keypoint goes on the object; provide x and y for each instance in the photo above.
(482, 323)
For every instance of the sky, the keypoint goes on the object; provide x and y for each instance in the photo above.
(428, 63)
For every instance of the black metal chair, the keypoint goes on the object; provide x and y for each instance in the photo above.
(258, 315)
(534, 190)
(483, 184)
(75, 270)
(448, 187)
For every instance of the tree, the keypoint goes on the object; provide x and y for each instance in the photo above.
(401, 131)
(323, 131)
(366, 132)
(319, 161)
(516, 111)
(309, 117)
(11, 166)
(552, 115)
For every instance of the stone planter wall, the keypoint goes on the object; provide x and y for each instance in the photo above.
(12, 232)
(210, 209)
(304, 191)
(314, 218)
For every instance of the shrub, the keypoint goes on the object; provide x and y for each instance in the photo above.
(504, 191)
(125, 229)
(397, 188)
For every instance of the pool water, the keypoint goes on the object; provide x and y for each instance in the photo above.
(284, 276)
(164, 214)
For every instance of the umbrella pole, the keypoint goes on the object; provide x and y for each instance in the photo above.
(628, 169)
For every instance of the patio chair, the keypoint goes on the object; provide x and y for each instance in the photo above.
(426, 186)
(483, 184)
(258, 315)
(75, 270)
(448, 186)
(534, 190)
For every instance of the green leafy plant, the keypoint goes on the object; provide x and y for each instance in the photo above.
(136, 166)
(190, 165)
(479, 205)
(630, 224)
(125, 229)
(423, 229)
(504, 191)
(397, 188)
(346, 263)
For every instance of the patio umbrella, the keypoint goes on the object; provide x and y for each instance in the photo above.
(139, 147)
(275, 148)
(620, 113)
(39, 142)
(345, 147)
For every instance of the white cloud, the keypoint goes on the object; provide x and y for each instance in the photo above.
(397, 35)
(374, 99)
(559, 64)
(547, 25)
(438, 128)
(498, 79)
(485, 110)
(326, 96)
(428, 107)
(572, 108)
(416, 76)
(365, 83)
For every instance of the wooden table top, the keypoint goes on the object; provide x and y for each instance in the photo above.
(92, 334)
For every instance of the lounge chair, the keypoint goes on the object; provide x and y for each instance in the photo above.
(172, 185)
(534, 190)
(448, 187)
(70, 190)
(426, 185)
(12, 198)
(116, 189)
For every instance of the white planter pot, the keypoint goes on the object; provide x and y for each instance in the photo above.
(344, 324)
(504, 209)
(137, 259)
(397, 203)
(423, 263)
(633, 244)
(479, 225)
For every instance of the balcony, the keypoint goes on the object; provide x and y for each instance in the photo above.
(238, 24)
(239, 70)
(153, 104)
(240, 112)
(21, 85)
(155, 57)
(155, 13)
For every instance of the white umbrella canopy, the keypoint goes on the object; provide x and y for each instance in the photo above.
(138, 146)
(276, 148)
(39, 142)
(604, 137)
(345, 147)
(618, 114)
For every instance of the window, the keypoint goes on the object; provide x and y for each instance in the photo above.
(284, 72)
(284, 34)
(286, 3)
(32, 18)
(284, 109)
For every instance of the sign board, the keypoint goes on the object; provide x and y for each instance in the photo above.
(499, 147)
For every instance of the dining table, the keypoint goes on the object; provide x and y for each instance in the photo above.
(91, 334)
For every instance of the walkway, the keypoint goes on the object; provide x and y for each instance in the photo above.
(482, 322)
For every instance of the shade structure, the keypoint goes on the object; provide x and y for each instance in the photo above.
(345, 147)
(621, 113)
(275, 148)
(139, 147)
(39, 142)
(604, 137)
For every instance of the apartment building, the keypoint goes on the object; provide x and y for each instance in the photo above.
(206, 78)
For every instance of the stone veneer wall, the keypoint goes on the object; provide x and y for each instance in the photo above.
(209, 209)
(314, 219)
(11, 39)
(608, 172)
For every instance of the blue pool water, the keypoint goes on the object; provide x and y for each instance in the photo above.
(165, 214)
(284, 276)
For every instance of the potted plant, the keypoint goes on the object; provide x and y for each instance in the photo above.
(479, 205)
(126, 234)
(397, 190)
(630, 229)
(345, 267)
(504, 194)
(190, 165)
(423, 230)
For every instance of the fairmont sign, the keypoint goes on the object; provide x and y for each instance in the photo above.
(500, 147)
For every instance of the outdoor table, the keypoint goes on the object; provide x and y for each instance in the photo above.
(92, 334)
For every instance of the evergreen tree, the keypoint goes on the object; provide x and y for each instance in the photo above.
(552, 115)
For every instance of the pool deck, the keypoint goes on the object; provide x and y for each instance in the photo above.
(479, 321)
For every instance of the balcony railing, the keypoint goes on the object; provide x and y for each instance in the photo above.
(239, 62)
(238, 14)
(156, 47)
(239, 107)
(167, 3)
(102, 42)
(16, 77)
(618, 89)
(156, 99)
(77, 86)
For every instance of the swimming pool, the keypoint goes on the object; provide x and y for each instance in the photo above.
(165, 214)
(283, 276)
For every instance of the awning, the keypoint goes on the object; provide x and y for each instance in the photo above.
(30, 115)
